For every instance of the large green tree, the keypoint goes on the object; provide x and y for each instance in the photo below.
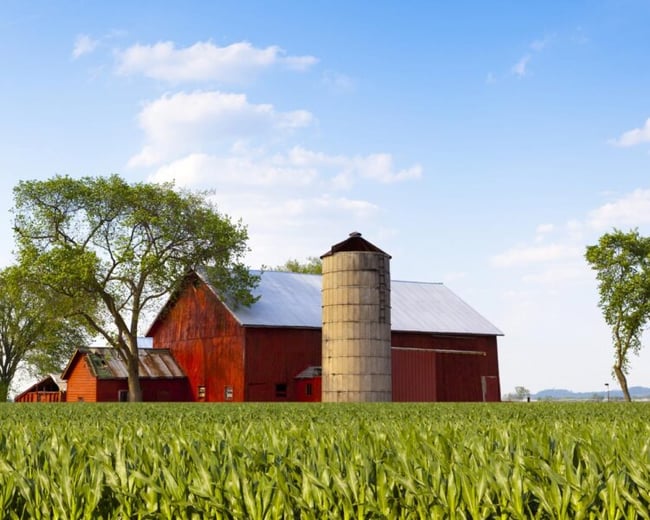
(111, 251)
(622, 264)
(33, 334)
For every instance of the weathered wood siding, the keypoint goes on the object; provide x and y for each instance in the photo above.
(206, 341)
(274, 356)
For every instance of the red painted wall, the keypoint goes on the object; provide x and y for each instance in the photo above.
(275, 357)
(434, 376)
(82, 385)
(206, 341)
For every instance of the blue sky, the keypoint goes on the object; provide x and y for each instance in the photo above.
(482, 145)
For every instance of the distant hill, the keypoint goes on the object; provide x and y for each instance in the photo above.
(637, 392)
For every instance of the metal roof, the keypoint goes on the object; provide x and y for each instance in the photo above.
(106, 363)
(294, 300)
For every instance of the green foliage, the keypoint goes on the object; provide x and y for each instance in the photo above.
(110, 251)
(313, 265)
(622, 264)
(578, 460)
(34, 333)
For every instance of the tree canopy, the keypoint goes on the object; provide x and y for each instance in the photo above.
(313, 265)
(110, 251)
(622, 264)
(33, 335)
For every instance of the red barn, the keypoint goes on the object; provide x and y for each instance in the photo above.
(441, 348)
(100, 375)
(50, 389)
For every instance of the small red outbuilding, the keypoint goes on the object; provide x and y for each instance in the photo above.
(98, 374)
(50, 389)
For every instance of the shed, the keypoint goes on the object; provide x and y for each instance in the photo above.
(50, 389)
(99, 374)
(442, 349)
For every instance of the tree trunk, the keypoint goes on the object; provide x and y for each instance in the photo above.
(135, 391)
(622, 381)
(4, 390)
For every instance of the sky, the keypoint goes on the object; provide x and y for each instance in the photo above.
(483, 145)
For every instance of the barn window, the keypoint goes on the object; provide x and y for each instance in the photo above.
(281, 390)
(202, 392)
(227, 393)
(308, 389)
(122, 396)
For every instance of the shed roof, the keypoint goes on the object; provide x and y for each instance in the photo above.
(106, 363)
(294, 300)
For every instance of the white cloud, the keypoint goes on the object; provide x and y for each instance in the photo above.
(84, 44)
(205, 61)
(339, 83)
(634, 137)
(519, 68)
(558, 274)
(199, 169)
(630, 210)
(297, 168)
(525, 255)
(184, 123)
(543, 229)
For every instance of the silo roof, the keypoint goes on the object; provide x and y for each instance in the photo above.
(294, 300)
(354, 243)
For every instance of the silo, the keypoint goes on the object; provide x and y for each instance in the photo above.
(356, 322)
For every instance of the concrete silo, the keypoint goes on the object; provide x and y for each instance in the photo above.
(356, 322)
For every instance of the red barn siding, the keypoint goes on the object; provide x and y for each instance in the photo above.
(413, 375)
(275, 356)
(206, 341)
(82, 384)
(456, 376)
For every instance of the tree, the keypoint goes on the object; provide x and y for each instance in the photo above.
(622, 264)
(313, 265)
(110, 251)
(32, 333)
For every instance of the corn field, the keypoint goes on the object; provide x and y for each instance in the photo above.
(322, 461)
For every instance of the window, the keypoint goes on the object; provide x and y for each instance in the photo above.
(308, 389)
(228, 393)
(201, 392)
(122, 396)
(281, 390)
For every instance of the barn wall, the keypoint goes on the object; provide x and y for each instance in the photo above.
(82, 385)
(207, 343)
(275, 357)
(108, 389)
(434, 376)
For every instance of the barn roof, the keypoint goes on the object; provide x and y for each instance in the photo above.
(294, 300)
(105, 363)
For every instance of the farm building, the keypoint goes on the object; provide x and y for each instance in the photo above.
(50, 389)
(348, 335)
(98, 374)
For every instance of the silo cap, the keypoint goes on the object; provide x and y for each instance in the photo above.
(354, 243)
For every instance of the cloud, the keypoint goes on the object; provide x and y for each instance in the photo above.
(630, 210)
(199, 169)
(296, 168)
(339, 83)
(205, 61)
(525, 255)
(183, 123)
(84, 44)
(519, 68)
(633, 137)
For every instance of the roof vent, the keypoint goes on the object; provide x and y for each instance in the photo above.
(355, 234)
